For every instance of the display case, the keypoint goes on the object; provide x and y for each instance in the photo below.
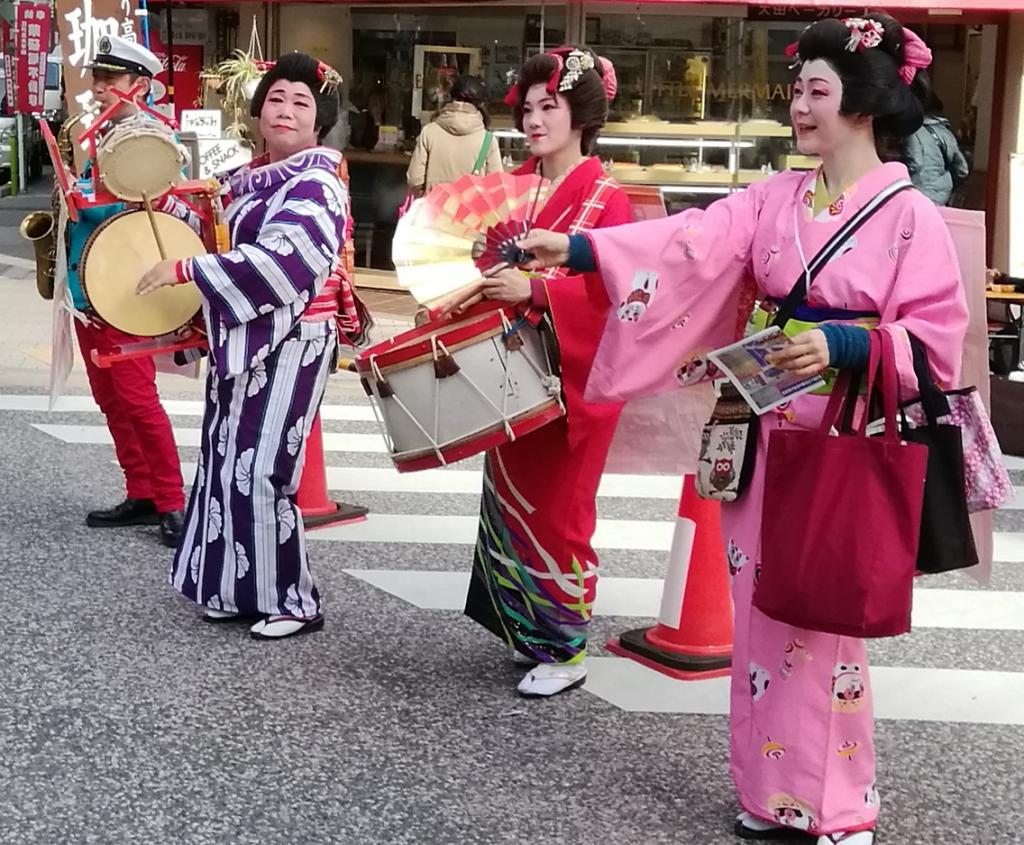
(690, 163)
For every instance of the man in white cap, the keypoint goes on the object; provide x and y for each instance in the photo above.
(126, 391)
(120, 64)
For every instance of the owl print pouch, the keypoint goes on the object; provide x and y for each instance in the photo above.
(728, 446)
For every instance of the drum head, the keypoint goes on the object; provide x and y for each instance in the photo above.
(116, 257)
(140, 163)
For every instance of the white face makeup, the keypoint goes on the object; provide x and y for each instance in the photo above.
(814, 110)
(288, 118)
(547, 122)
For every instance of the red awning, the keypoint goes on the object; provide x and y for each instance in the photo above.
(792, 9)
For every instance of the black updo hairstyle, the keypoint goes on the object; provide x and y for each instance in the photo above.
(871, 82)
(472, 90)
(587, 99)
(300, 67)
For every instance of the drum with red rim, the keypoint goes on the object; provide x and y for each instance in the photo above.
(454, 388)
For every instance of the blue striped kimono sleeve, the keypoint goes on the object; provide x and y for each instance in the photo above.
(297, 246)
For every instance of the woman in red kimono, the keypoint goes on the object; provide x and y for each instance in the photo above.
(534, 571)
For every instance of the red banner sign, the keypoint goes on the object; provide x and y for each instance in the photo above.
(32, 43)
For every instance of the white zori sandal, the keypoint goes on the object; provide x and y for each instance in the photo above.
(547, 679)
(279, 627)
(858, 837)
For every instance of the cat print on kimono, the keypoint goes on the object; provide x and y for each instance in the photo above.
(634, 306)
(760, 679)
(791, 812)
(695, 369)
(737, 560)
(848, 691)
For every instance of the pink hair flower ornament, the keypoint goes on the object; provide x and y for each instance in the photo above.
(865, 33)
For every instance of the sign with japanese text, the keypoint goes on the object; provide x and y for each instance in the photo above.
(206, 123)
(804, 14)
(82, 23)
(190, 26)
(10, 83)
(31, 44)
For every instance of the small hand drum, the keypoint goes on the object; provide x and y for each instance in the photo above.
(115, 258)
(137, 162)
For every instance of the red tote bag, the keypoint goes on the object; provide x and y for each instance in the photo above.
(842, 517)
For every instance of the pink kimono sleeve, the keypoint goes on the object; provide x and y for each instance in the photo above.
(676, 288)
(927, 298)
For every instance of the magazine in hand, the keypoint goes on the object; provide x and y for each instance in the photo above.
(763, 386)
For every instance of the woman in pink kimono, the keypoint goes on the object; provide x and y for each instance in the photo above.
(801, 709)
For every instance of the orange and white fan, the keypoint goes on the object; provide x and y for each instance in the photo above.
(464, 230)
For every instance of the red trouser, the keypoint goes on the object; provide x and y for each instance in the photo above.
(143, 440)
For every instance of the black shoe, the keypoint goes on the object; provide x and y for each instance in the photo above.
(129, 512)
(170, 528)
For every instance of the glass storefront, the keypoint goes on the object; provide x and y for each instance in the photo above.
(701, 110)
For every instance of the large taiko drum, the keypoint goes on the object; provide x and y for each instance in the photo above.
(115, 258)
(137, 161)
(454, 388)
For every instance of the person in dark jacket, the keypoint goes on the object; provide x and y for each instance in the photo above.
(932, 154)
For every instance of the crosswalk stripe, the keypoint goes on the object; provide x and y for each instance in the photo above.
(401, 528)
(1008, 547)
(98, 435)
(388, 480)
(899, 692)
(641, 597)
(434, 529)
(174, 407)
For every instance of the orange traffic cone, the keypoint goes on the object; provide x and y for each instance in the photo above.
(312, 498)
(693, 637)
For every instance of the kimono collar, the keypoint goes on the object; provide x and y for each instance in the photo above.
(258, 175)
(567, 194)
(855, 195)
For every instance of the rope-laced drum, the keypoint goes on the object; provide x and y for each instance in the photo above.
(119, 253)
(139, 161)
(451, 389)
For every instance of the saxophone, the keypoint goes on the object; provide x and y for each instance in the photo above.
(40, 227)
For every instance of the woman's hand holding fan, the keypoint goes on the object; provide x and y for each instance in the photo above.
(549, 249)
(462, 234)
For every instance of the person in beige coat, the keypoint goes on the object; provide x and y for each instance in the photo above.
(454, 144)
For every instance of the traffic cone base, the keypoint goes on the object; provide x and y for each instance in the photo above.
(686, 667)
(693, 636)
(337, 513)
(316, 506)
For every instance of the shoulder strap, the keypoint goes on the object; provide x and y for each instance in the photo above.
(485, 148)
(799, 291)
(940, 144)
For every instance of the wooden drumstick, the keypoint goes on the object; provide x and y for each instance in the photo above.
(442, 311)
(156, 231)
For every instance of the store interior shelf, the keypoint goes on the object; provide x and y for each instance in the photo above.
(719, 129)
(668, 175)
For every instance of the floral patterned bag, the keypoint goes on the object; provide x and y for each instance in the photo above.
(986, 481)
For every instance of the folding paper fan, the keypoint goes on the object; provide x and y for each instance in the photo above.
(463, 230)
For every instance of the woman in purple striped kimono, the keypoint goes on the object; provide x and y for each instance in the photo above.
(270, 316)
